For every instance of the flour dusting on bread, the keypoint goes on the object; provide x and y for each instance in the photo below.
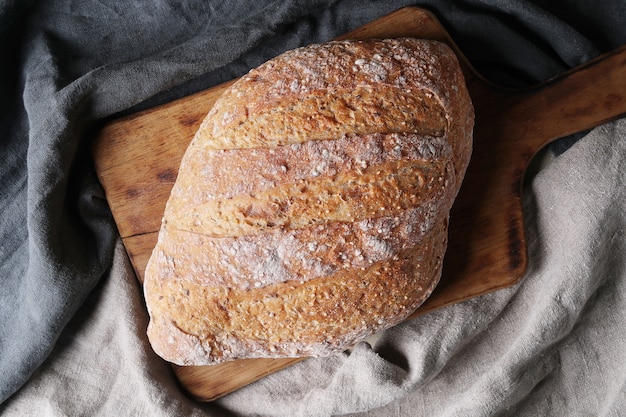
(311, 207)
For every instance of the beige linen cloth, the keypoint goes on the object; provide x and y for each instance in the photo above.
(553, 345)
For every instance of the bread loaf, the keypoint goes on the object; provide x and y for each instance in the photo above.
(311, 208)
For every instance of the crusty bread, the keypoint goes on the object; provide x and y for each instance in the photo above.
(311, 207)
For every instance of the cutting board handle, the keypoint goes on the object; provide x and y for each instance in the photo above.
(578, 100)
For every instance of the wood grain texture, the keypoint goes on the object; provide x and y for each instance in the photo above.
(137, 160)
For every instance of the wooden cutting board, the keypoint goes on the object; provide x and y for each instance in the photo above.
(137, 160)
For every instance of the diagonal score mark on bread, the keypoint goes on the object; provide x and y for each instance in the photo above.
(311, 207)
(362, 111)
(348, 195)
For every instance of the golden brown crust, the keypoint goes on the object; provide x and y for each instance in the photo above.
(309, 318)
(311, 207)
(348, 196)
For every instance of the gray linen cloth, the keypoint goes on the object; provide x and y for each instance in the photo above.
(71, 318)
